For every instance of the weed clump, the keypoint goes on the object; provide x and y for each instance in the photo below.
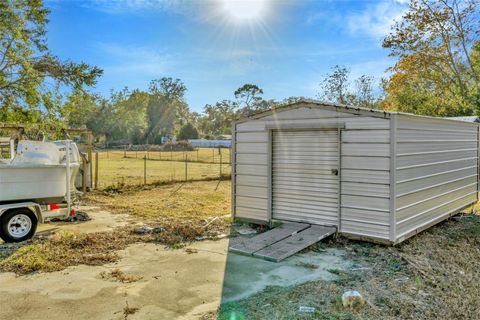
(120, 276)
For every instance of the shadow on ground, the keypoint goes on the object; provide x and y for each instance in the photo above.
(246, 276)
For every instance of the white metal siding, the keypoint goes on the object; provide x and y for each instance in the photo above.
(364, 172)
(303, 186)
(436, 171)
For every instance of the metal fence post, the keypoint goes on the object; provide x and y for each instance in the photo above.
(186, 166)
(220, 163)
(144, 170)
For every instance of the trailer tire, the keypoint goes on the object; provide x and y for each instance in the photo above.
(18, 225)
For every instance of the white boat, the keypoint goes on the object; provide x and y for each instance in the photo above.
(38, 172)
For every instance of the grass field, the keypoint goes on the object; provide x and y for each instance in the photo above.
(206, 155)
(204, 164)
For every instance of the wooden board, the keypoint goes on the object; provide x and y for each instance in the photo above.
(295, 243)
(251, 245)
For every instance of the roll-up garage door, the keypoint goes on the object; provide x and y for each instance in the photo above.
(305, 180)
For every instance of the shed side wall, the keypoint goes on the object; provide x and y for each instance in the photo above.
(436, 171)
(365, 165)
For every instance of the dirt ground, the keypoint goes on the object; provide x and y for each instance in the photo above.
(151, 281)
(103, 269)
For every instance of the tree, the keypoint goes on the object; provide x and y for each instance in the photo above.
(122, 116)
(218, 118)
(249, 97)
(436, 72)
(80, 109)
(168, 87)
(336, 88)
(26, 63)
(187, 132)
(167, 109)
(364, 96)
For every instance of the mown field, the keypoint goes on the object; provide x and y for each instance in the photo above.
(114, 169)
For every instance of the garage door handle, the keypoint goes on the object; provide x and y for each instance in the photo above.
(335, 172)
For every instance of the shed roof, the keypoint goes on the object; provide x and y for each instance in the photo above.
(466, 119)
(343, 108)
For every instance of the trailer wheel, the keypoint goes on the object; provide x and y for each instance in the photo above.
(17, 225)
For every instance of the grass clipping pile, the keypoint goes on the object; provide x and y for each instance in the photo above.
(434, 275)
(192, 212)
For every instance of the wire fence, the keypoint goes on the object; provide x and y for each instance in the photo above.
(119, 167)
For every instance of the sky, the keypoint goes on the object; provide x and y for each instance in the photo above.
(215, 46)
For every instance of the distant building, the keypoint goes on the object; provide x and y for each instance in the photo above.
(204, 143)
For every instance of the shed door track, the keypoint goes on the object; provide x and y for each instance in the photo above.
(282, 241)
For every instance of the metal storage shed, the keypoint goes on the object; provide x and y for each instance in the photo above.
(373, 174)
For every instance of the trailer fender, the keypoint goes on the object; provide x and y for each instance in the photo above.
(32, 206)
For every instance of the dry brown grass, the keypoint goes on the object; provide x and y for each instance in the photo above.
(180, 201)
(65, 249)
(434, 275)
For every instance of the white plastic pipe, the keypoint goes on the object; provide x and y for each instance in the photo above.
(67, 164)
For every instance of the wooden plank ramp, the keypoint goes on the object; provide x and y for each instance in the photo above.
(252, 245)
(295, 243)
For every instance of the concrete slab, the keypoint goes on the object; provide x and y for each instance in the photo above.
(174, 284)
(101, 221)
(251, 245)
(247, 275)
(297, 242)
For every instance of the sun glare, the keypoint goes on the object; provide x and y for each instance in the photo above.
(245, 10)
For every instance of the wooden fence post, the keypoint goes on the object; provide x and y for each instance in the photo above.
(96, 169)
(84, 175)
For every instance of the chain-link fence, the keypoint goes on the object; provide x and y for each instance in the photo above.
(122, 167)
